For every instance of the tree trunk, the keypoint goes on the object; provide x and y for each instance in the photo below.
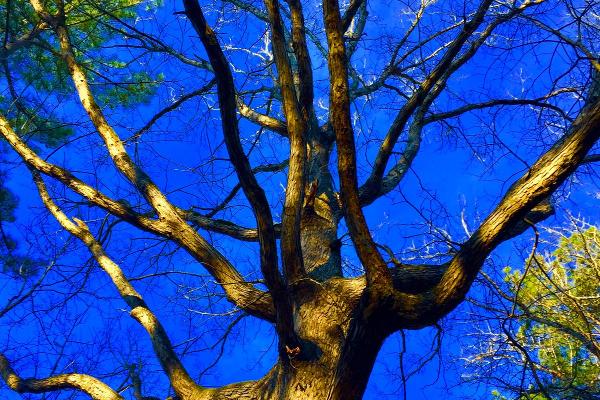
(337, 357)
(321, 215)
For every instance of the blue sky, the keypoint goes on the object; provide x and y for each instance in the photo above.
(461, 169)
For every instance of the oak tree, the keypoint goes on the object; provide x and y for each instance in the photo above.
(159, 126)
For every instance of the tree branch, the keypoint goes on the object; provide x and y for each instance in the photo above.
(418, 104)
(113, 143)
(386, 148)
(203, 90)
(253, 191)
(350, 13)
(263, 120)
(242, 293)
(227, 106)
(377, 273)
(95, 388)
(294, 194)
(175, 227)
(537, 184)
(180, 380)
(305, 76)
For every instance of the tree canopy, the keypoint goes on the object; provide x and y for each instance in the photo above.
(546, 346)
(296, 165)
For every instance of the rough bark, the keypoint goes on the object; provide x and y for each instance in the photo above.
(329, 328)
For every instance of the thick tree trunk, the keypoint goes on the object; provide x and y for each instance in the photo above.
(321, 215)
(338, 355)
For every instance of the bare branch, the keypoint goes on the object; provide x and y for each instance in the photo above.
(304, 73)
(432, 80)
(240, 292)
(263, 120)
(419, 103)
(203, 90)
(350, 13)
(178, 376)
(95, 388)
(227, 105)
(294, 194)
(539, 182)
(175, 227)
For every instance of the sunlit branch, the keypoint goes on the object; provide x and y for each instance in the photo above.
(95, 388)
(297, 128)
(538, 183)
(117, 208)
(339, 99)
(243, 294)
(175, 227)
(89, 193)
(178, 376)
(114, 145)
(263, 120)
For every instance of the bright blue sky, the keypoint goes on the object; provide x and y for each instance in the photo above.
(452, 173)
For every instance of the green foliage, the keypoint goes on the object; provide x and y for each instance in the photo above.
(39, 98)
(38, 79)
(8, 203)
(134, 89)
(558, 307)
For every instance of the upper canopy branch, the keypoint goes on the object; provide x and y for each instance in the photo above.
(227, 106)
(368, 194)
(378, 182)
(386, 148)
(178, 376)
(350, 13)
(304, 65)
(339, 101)
(536, 184)
(297, 128)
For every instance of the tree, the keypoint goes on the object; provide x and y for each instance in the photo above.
(268, 87)
(548, 332)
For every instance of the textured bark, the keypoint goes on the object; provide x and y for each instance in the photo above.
(329, 328)
(321, 214)
(323, 319)
(93, 387)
